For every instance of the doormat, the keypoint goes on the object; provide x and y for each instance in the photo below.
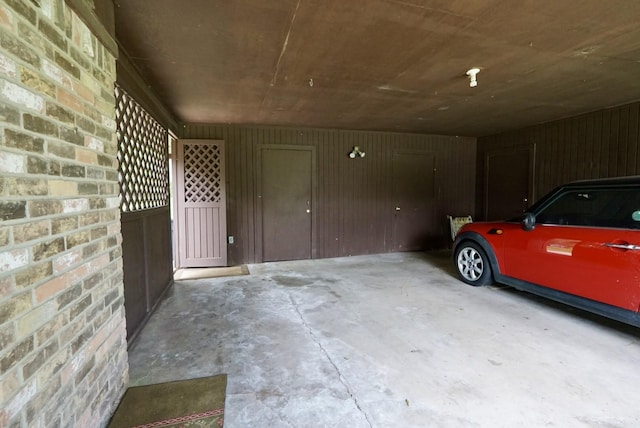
(202, 273)
(187, 403)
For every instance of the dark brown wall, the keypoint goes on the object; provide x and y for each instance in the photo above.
(147, 263)
(354, 206)
(595, 145)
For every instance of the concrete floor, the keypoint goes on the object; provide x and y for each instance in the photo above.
(390, 340)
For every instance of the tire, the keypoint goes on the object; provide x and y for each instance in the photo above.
(472, 264)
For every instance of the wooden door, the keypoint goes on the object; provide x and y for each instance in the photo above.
(508, 182)
(285, 202)
(201, 203)
(414, 225)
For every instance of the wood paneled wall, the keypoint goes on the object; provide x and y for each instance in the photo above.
(148, 268)
(595, 145)
(354, 205)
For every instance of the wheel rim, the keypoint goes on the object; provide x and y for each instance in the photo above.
(470, 264)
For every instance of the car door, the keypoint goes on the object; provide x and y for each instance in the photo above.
(585, 243)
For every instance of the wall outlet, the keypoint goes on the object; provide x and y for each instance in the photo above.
(230, 239)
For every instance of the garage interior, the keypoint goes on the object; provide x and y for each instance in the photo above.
(554, 101)
(351, 314)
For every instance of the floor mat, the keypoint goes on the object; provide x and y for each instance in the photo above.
(193, 402)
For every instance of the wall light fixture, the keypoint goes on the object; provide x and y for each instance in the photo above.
(356, 152)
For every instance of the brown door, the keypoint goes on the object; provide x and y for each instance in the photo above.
(200, 204)
(414, 226)
(285, 202)
(508, 182)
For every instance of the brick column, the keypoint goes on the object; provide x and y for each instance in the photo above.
(63, 359)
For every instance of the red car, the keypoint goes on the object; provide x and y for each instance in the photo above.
(579, 245)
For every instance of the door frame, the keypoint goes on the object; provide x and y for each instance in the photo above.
(531, 194)
(258, 256)
(176, 220)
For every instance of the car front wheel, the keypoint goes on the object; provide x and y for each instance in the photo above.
(472, 264)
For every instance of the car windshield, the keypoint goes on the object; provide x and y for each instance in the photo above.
(602, 207)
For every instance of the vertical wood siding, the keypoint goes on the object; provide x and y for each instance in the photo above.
(353, 209)
(595, 145)
(148, 271)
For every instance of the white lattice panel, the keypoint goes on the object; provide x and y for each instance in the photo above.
(142, 155)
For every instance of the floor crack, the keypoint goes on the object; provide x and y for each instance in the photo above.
(317, 341)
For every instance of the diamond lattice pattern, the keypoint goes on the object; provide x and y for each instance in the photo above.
(142, 154)
(202, 173)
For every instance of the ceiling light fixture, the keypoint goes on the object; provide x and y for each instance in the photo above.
(473, 79)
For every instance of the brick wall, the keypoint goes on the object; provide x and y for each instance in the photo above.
(63, 358)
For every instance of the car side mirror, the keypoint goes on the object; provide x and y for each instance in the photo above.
(528, 221)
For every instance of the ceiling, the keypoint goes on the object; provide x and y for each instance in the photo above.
(389, 65)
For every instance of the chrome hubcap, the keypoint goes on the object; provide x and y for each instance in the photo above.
(470, 264)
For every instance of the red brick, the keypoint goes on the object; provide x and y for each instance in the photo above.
(50, 288)
(6, 286)
(86, 156)
(83, 92)
(56, 285)
(68, 99)
(6, 18)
